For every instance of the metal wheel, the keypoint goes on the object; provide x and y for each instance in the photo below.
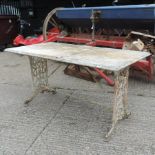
(49, 22)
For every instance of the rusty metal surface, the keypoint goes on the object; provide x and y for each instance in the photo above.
(82, 73)
(104, 58)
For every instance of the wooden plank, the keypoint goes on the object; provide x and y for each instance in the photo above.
(103, 58)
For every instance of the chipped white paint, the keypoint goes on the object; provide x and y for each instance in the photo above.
(103, 58)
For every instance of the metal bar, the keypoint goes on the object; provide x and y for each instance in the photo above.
(104, 43)
(104, 76)
(151, 67)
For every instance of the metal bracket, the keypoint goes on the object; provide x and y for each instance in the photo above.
(95, 17)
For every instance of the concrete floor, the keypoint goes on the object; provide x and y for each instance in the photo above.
(75, 120)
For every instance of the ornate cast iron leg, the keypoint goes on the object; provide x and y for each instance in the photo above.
(120, 104)
(39, 72)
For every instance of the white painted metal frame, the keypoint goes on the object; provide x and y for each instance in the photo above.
(39, 72)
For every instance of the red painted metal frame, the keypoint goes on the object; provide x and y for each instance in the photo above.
(104, 76)
(145, 66)
(104, 43)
